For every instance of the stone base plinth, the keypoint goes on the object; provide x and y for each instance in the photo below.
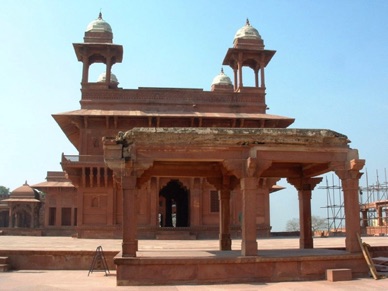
(231, 269)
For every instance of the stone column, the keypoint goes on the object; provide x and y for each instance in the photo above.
(58, 211)
(248, 228)
(225, 240)
(195, 213)
(130, 244)
(352, 213)
(108, 71)
(305, 187)
(350, 175)
(80, 211)
(154, 203)
(263, 206)
(239, 69)
(256, 70)
(235, 79)
(32, 222)
(72, 216)
(85, 71)
(262, 83)
(10, 216)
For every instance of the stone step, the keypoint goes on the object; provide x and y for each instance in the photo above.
(175, 235)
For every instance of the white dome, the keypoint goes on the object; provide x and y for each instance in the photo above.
(247, 32)
(99, 25)
(102, 78)
(222, 79)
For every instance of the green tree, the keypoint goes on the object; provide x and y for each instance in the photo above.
(4, 190)
(317, 223)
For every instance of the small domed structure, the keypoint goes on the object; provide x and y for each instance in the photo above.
(24, 192)
(24, 204)
(102, 78)
(98, 31)
(248, 36)
(221, 79)
(221, 82)
(99, 25)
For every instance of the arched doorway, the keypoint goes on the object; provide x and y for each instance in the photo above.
(174, 205)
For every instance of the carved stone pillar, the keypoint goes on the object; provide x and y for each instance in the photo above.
(223, 186)
(85, 71)
(225, 239)
(262, 83)
(305, 187)
(32, 222)
(154, 203)
(263, 206)
(235, 79)
(10, 216)
(195, 195)
(256, 71)
(248, 228)
(239, 69)
(350, 176)
(108, 71)
(352, 216)
(130, 243)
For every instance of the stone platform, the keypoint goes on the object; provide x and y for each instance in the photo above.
(229, 267)
(191, 262)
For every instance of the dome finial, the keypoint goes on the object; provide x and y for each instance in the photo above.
(222, 70)
(100, 15)
(247, 23)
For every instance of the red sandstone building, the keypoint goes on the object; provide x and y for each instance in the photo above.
(188, 163)
(181, 204)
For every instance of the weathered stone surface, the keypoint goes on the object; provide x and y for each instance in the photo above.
(234, 136)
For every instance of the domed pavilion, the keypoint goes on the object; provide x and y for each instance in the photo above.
(24, 204)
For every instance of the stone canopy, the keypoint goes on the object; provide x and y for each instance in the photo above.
(289, 152)
(230, 158)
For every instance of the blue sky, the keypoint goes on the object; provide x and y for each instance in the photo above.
(330, 70)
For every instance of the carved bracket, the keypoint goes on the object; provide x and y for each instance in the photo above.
(304, 184)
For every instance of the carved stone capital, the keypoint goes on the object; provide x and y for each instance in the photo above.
(251, 167)
(304, 184)
(256, 167)
(234, 167)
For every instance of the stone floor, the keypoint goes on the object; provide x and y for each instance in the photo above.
(79, 280)
(159, 246)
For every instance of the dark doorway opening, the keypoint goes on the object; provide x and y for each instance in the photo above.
(174, 205)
